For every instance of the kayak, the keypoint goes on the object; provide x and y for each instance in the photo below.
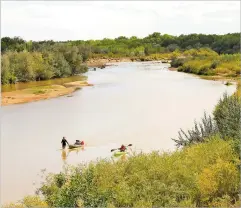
(72, 146)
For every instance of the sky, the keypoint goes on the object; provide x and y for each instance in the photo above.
(82, 20)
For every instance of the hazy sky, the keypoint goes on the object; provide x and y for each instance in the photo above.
(97, 20)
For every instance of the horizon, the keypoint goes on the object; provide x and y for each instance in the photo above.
(63, 21)
(116, 37)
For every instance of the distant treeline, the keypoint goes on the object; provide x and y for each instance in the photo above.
(154, 43)
(24, 61)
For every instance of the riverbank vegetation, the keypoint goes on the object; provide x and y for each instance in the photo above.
(203, 172)
(212, 64)
(24, 61)
(30, 66)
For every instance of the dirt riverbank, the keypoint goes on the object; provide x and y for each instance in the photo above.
(41, 93)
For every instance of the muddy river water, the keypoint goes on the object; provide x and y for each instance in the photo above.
(139, 103)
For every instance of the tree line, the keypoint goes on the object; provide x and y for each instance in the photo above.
(24, 66)
(24, 61)
(153, 43)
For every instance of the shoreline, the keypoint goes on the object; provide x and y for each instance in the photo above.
(41, 93)
(211, 78)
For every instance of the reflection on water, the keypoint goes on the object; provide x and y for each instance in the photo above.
(64, 155)
(24, 85)
(129, 103)
(65, 152)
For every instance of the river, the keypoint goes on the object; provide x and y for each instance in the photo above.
(140, 103)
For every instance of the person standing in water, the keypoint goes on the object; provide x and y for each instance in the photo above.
(64, 142)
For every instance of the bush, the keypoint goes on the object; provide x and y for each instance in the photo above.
(177, 62)
(227, 116)
(205, 63)
(147, 180)
(27, 202)
(28, 66)
(218, 179)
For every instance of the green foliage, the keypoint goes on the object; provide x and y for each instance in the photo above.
(31, 60)
(27, 202)
(177, 62)
(151, 180)
(205, 62)
(29, 66)
(154, 43)
(227, 116)
(7, 73)
(61, 66)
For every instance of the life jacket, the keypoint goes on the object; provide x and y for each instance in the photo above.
(122, 148)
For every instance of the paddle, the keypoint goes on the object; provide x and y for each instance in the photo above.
(129, 145)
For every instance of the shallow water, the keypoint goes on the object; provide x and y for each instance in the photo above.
(139, 103)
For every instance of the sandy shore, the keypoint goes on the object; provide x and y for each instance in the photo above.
(41, 93)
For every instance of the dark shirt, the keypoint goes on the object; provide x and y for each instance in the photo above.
(122, 148)
(64, 141)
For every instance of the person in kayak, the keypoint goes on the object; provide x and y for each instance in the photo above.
(64, 142)
(122, 148)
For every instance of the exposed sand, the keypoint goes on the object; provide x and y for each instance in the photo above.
(41, 93)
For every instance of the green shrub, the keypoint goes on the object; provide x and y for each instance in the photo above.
(226, 65)
(227, 116)
(28, 66)
(177, 62)
(27, 202)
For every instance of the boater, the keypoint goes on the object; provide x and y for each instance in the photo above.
(122, 148)
(64, 142)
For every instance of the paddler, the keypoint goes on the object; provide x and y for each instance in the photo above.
(122, 148)
(64, 142)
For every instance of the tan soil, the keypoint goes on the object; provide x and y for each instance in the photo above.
(40, 93)
(172, 69)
